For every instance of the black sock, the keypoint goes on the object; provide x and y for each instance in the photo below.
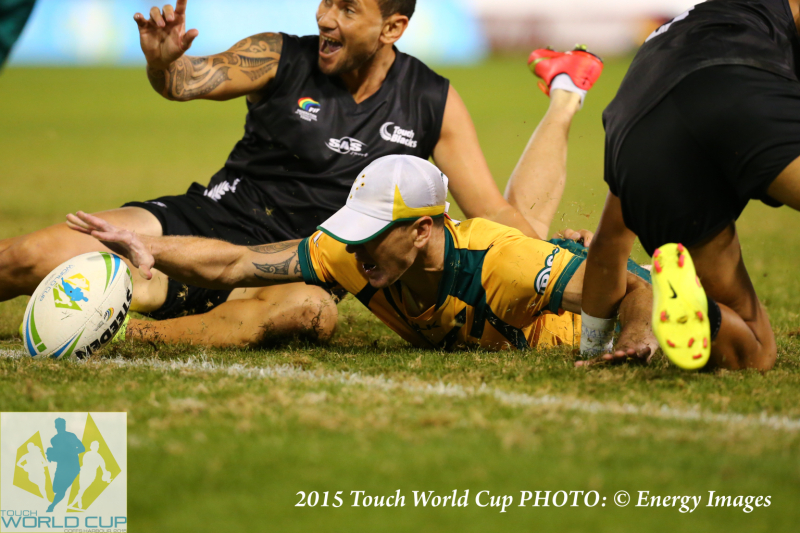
(714, 317)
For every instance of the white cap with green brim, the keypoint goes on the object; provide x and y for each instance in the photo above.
(392, 189)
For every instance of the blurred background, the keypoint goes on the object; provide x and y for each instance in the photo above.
(81, 128)
(444, 32)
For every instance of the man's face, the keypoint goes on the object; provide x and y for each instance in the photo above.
(349, 34)
(384, 259)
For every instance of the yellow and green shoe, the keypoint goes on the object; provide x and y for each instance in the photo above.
(680, 308)
(120, 336)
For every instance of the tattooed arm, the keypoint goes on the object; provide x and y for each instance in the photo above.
(195, 260)
(244, 69)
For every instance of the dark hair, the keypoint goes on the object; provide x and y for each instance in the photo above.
(390, 7)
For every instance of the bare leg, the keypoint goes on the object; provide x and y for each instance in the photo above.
(537, 183)
(786, 187)
(43, 488)
(745, 339)
(250, 317)
(26, 260)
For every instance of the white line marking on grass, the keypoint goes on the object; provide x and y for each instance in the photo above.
(510, 399)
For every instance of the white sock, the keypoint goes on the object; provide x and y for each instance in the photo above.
(565, 83)
(597, 335)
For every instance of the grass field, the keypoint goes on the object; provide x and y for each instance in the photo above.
(224, 440)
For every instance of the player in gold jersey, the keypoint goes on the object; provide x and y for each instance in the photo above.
(435, 282)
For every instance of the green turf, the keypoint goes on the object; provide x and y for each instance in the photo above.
(210, 451)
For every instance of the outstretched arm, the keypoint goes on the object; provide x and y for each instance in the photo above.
(244, 69)
(634, 306)
(608, 289)
(195, 260)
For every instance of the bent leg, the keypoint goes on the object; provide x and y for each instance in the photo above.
(786, 187)
(745, 339)
(26, 260)
(537, 183)
(250, 317)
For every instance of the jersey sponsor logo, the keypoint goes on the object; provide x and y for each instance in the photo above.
(395, 134)
(347, 145)
(218, 191)
(543, 277)
(308, 109)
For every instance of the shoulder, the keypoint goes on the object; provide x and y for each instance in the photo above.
(324, 261)
(423, 82)
(480, 234)
(411, 65)
(298, 60)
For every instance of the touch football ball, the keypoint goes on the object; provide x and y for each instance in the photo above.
(78, 307)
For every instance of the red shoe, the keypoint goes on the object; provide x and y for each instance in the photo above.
(581, 66)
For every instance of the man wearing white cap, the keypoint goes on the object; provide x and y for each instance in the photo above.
(435, 282)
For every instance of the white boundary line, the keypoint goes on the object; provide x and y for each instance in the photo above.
(510, 399)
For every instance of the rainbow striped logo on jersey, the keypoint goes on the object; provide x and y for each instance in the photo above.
(308, 109)
(307, 104)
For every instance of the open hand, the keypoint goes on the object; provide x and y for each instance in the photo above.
(124, 242)
(642, 356)
(163, 37)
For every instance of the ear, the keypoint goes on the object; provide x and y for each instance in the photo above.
(393, 28)
(422, 231)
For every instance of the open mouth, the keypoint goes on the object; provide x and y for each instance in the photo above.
(368, 267)
(328, 46)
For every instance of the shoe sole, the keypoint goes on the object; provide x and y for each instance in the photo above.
(680, 308)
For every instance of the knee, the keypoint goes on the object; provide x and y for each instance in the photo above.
(765, 358)
(305, 311)
(317, 314)
(21, 256)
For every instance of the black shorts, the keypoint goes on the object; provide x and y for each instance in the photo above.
(231, 209)
(689, 167)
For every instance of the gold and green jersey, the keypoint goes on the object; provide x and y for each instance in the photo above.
(499, 289)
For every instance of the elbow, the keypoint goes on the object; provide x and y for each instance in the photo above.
(172, 97)
(228, 277)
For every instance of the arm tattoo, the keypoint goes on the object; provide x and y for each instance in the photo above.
(193, 77)
(275, 269)
(272, 248)
(287, 267)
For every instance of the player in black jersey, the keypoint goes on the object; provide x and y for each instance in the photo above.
(320, 109)
(706, 119)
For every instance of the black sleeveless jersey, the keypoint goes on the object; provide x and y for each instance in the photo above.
(307, 139)
(755, 33)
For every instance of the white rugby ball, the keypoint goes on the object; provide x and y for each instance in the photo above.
(78, 307)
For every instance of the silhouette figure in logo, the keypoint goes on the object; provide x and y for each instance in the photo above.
(75, 293)
(34, 464)
(91, 462)
(64, 451)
